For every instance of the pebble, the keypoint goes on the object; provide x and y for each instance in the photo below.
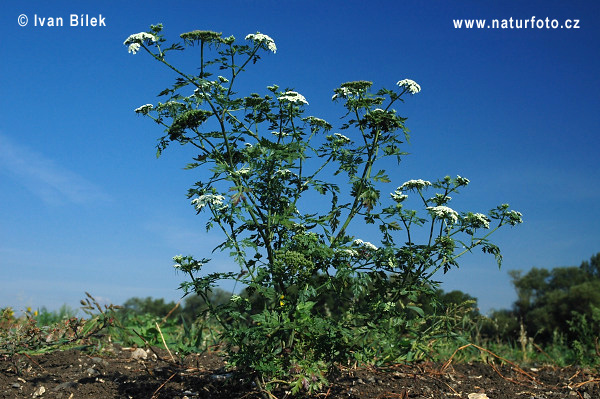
(39, 392)
(139, 353)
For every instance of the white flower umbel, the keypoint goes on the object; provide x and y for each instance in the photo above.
(242, 172)
(144, 109)
(462, 181)
(480, 220)
(260, 38)
(279, 134)
(342, 137)
(414, 184)
(398, 196)
(136, 40)
(514, 217)
(283, 172)
(444, 212)
(139, 38)
(134, 48)
(207, 199)
(352, 253)
(179, 260)
(293, 97)
(342, 92)
(365, 244)
(410, 85)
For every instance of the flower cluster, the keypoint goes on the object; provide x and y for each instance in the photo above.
(353, 253)
(398, 196)
(443, 212)
(260, 38)
(279, 134)
(207, 199)
(342, 92)
(514, 217)
(462, 181)
(478, 220)
(414, 184)
(242, 172)
(144, 109)
(134, 41)
(293, 97)
(283, 172)
(342, 137)
(410, 85)
(318, 122)
(365, 244)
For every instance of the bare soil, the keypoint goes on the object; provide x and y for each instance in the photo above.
(73, 374)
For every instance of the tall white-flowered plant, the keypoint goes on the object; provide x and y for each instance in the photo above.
(262, 164)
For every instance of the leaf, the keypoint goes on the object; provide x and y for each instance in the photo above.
(416, 309)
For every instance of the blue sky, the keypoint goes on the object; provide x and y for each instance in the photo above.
(86, 206)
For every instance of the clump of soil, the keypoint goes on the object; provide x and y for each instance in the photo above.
(122, 373)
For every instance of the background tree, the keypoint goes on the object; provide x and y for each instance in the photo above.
(549, 300)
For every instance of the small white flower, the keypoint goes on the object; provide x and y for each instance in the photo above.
(144, 109)
(260, 38)
(365, 244)
(223, 79)
(412, 184)
(316, 120)
(353, 253)
(243, 172)
(279, 134)
(342, 137)
(341, 93)
(398, 196)
(481, 220)
(440, 199)
(444, 212)
(134, 48)
(462, 181)
(135, 41)
(283, 172)
(207, 199)
(201, 94)
(410, 85)
(514, 217)
(179, 260)
(293, 97)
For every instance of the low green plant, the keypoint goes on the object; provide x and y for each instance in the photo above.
(294, 203)
(586, 331)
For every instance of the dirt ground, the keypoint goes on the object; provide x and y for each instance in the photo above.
(73, 374)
